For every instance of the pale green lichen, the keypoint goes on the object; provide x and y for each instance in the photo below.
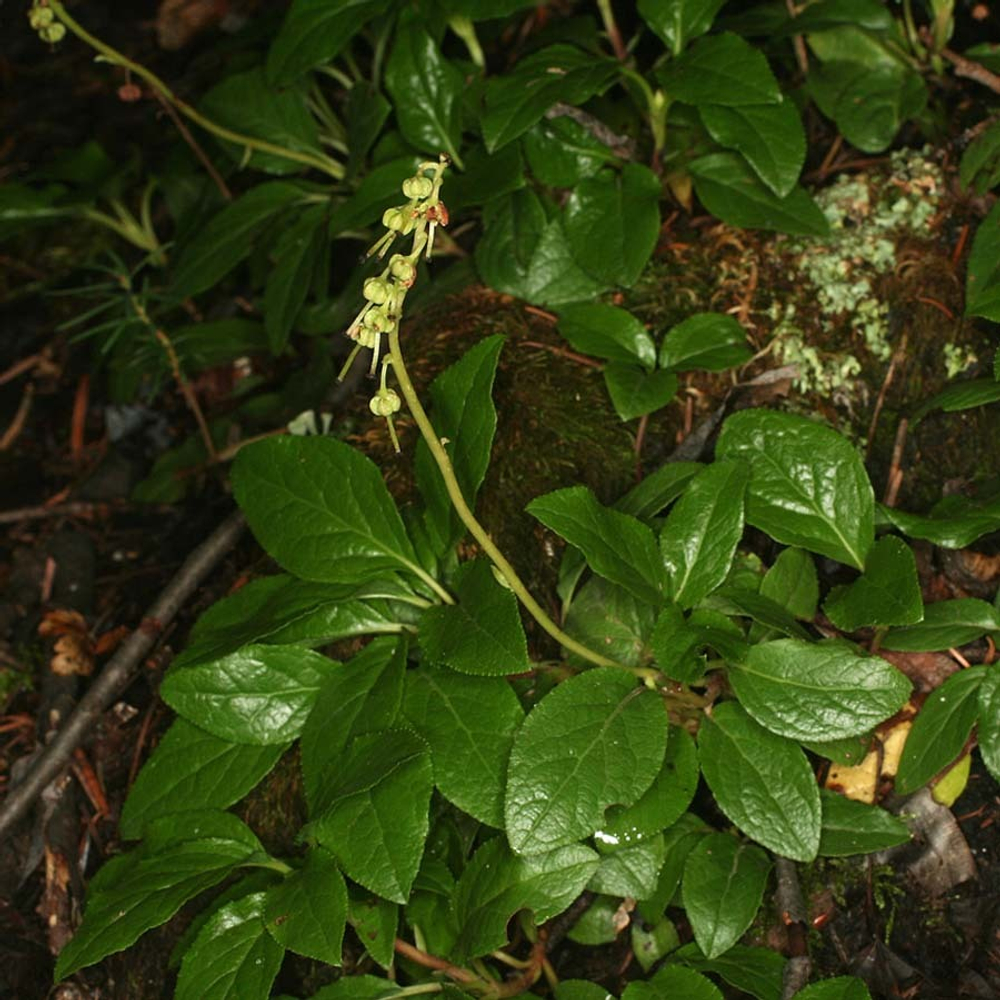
(958, 359)
(841, 272)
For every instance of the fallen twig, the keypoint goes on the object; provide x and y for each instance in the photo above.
(792, 908)
(119, 670)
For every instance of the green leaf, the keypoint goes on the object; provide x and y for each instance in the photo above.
(737, 601)
(288, 282)
(481, 634)
(365, 114)
(363, 695)
(228, 237)
(823, 691)
(630, 871)
(792, 582)
(723, 887)
(868, 102)
(887, 594)
(953, 522)
(486, 176)
(757, 971)
(674, 981)
(979, 169)
(260, 695)
(607, 332)
(557, 74)
(679, 840)
(946, 624)
(730, 190)
(524, 252)
(426, 91)
(650, 944)
(307, 911)
(248, 104)
(606, 617)
(192, 769)
(233, 957)
(496, 884)
(761, 781)
(720, 69)
(577, 989)
(283, 610)
(469, 723)
(375, 921)
(663, 803)
(598, 924)
(851, 827)
(769, 136)
(708, 342)
(961, 396)
(808, 485)
(378, 191)
(183, 855)
(313, 32)
(841, 988)
(702, 531)
(988, 732)
(635, 392)
(321, 509)
(940, 729)
(561, 152)
(679, 21)
(617, 546)
(597, 740)
(358, 988)
(612, 223)
(659, 489)
(372, 812)
(825, 14)
(463, 413)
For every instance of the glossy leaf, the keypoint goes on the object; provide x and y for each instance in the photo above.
(617, 546)
(469, 724)
(792, 582)
(146, 887)
(192, 769)
(321, 509)
(708, 342)
(496, 884)
(825, 690)
(721, 69)
(737, 601)
(363, 695)
(762, 782)
(524, 251)
(961, 396)
(228, 237)
(288, 282)
(757, 971)
(597, 740)
(679, 840)
(480, 634)
(658, 489)
(808, 486)
(518, 99)
(988, 732)
(702, 531)
(233, 957)
(723, 888)
(562, 152)
(946, 624)
(365, 113)
(674, 981)
(979, 169)
(426, 91)
(953, 522)
(372, 812)
(630, 871)
(663, 803)
(851, 827)
(376, 922)
(612, 222)
(463, 413)
(307, 911)
(283, 610)
(606, 617)
(635, 392)
(769, 136)
(607, 332)
(940, 729)
(313, 32)
(841, 988)
(677, 22)
(868, 102)
(888, 593)
(246, 103)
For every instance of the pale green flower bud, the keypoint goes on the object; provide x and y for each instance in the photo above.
(402, 270)
(377, 320)
(418, 187)
(385, 403)
(377, 290)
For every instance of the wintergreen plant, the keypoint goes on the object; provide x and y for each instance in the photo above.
(446, 795)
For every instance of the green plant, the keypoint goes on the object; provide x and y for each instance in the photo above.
(455, 776)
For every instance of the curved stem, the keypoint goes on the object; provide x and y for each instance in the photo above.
(324, 163)
(479, 532)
